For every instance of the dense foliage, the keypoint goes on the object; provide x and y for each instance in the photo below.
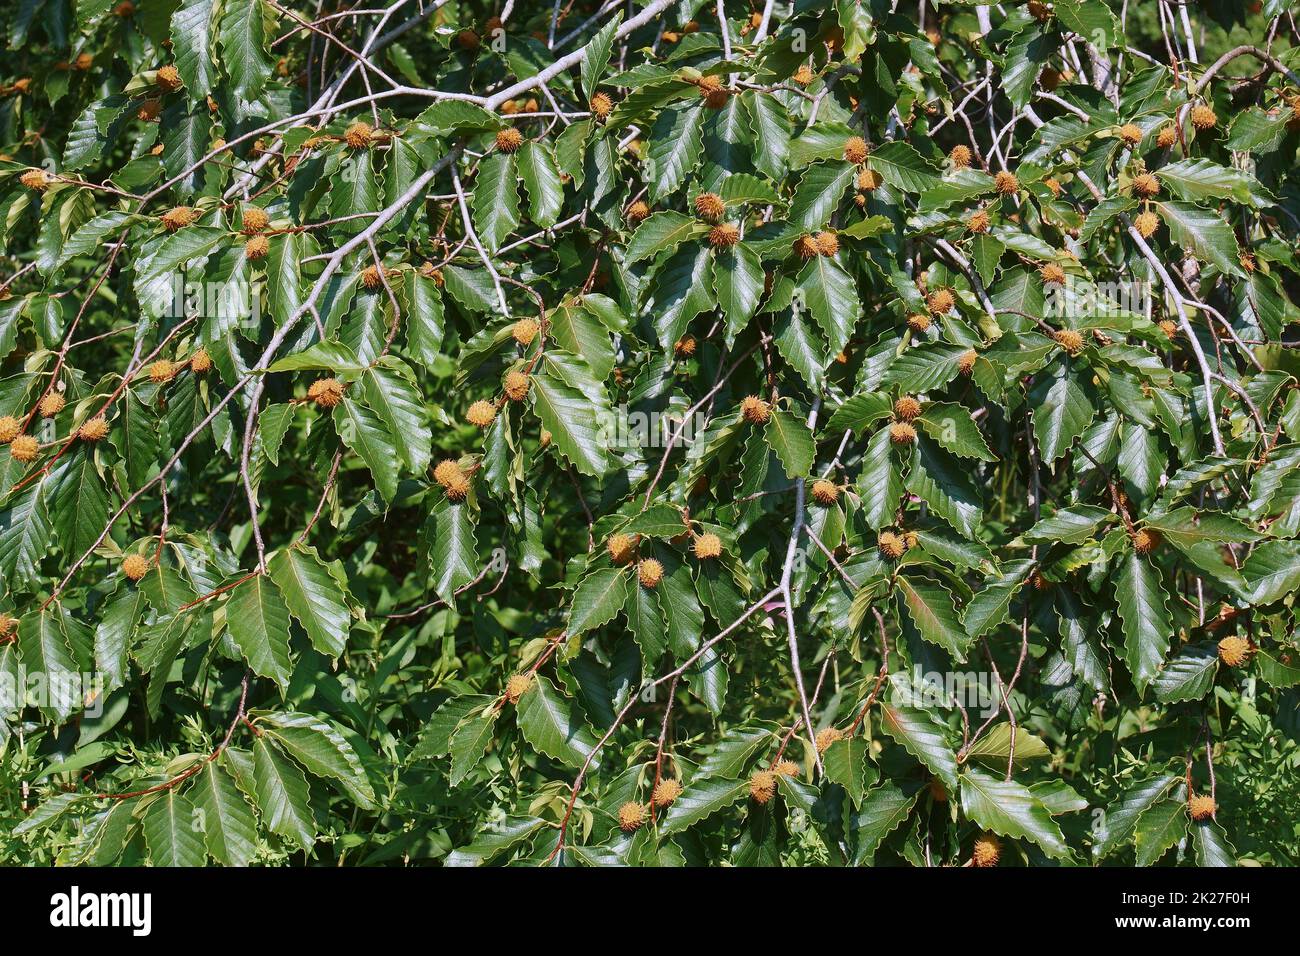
(841, 432)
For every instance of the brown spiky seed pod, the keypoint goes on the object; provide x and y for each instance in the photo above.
(93, 429)
(907, 408)
(1203, 117)
(516, 386)
(1146, 540)
(10, 428)
(649, 572)
(1131, 133)
(255, 220)
(1146, 224)
(1169, 327)
(1146, 185)
(960, 156)
(710, 206)
(1234, 651)
(1069, 340)
(891, 545)
(525, 330)
(902, 433)
(621, 548)
(517, 686)
(825, 492)
(509, 139)
(1039, 10)
(918, 321)
(149, 109)
(762, 786)
(666, 791)
(978, 222)
(684, 347)
(162, 371)
(940, 301)
(855, 149)
(803, 76)
(1006, 183)
(806, 247)
(1165, 138)
(7, 624)
(827, 243)
(636, 213)
(257, 247)
(372, 278)
(754, 410)
(601, 106)
(84, 61)
(631, 816)
(467, 40)
(869, 180)
(179, 217)
(1052, 273)
(482, 413)
(52, 404)
(37, 179)
(24, 448)
(966, 361)
(1201, 806)
(446, 472)
(707, 546)
(724, 236)
(135, 566)
(1053, 184)
(200, 361)
(168, 79)
(827, 736)
(786, 768)
(326, 392)
(986, 851)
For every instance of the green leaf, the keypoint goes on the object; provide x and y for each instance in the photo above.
(951, 426)
(259, 625)
(846, 764)
(1212, 846)
(681, 293)
(1010, 810)
(321, 750)
(1142, 608)
(1204, 234)
(1159, 827)
(832, 297)
(571, 419)
(362, 430)
(883, 810)
(243, 48)
(495, 840)
(315, 597)
(191, 37)
(598, 599)
(660, 232)
(542, 181)
(930, 608)
(229, 827)
(946, 486)
(675, 143)
(924, 737)
(900, 165)
(170, 833)
(551, 724)
(789, 436)
(496, 199)
(1062, 410)
(282, 795)
(700, 800)
(1120, 820)
(1189, 675)
(738, 275)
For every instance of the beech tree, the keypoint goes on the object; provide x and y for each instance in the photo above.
(835, 432)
